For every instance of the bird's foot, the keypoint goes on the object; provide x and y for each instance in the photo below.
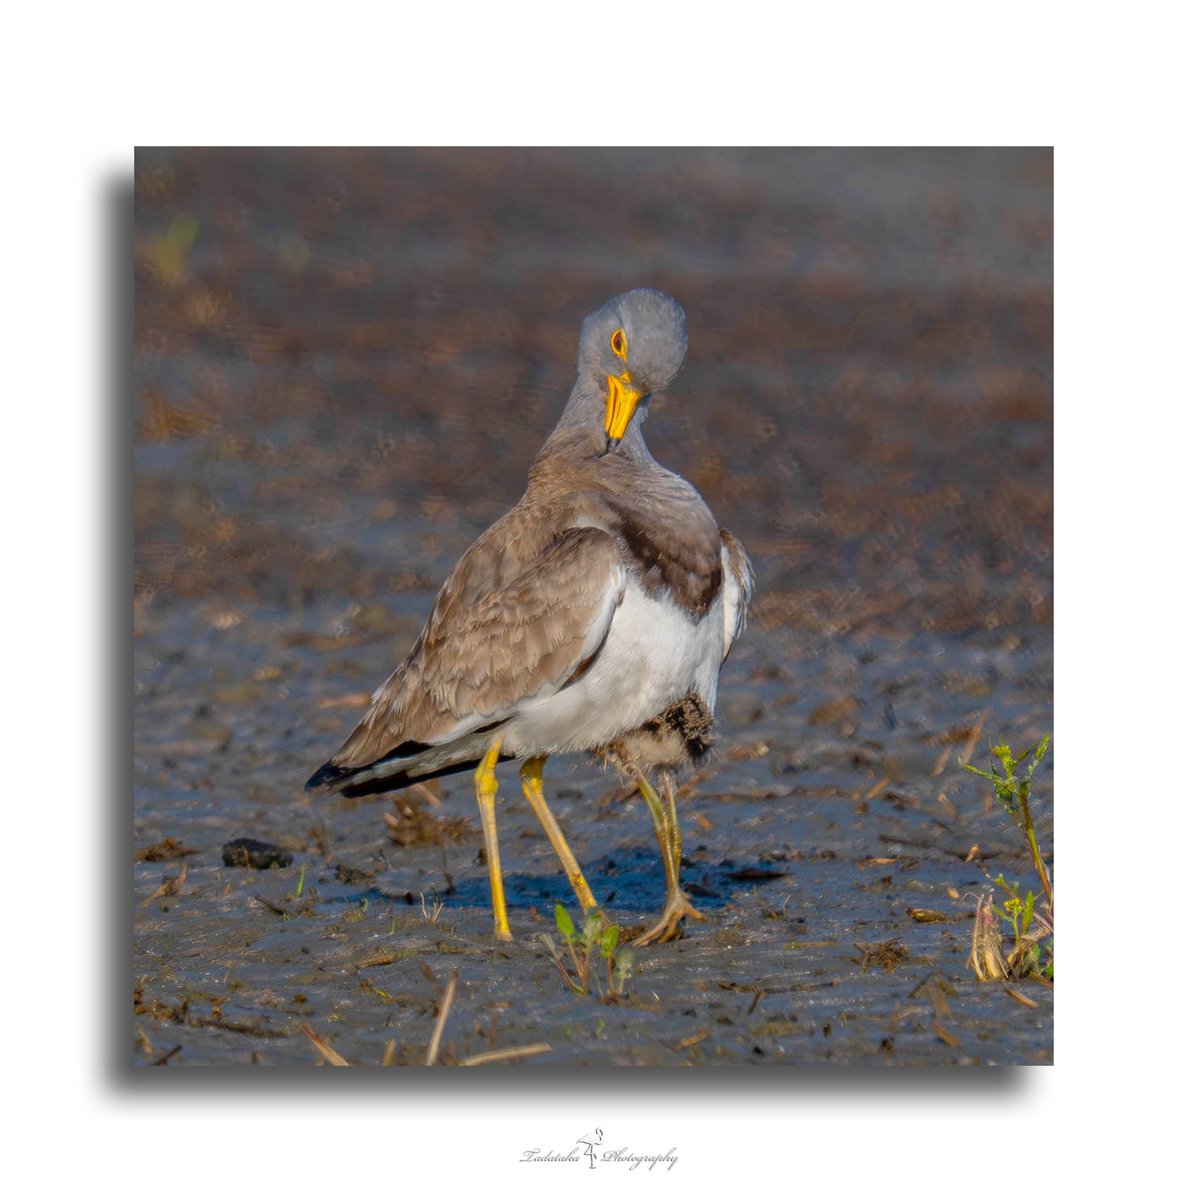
(668, 929)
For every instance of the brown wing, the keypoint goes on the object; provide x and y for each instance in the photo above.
(484, 650)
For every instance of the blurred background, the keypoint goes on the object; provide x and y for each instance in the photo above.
(345, 361)
(336, 350)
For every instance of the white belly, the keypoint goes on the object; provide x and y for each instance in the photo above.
(655, 654)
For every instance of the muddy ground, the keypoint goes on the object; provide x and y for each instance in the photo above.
(344, 363)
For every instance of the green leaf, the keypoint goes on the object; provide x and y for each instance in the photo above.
(608, 940)
(592, 924)
(1043, 746)
(562, 919)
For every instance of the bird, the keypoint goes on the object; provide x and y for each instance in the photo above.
(593, 617)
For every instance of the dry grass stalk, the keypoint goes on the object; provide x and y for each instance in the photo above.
(1025, 1000)
(942, 759)
(491, 1056)
(945, 1035)
(331, 1056)
(935, 988)
(1042, 928)
(384, 958)
(430, 796)
(973, 737)
(272, 906)
(171, 885)
(987, 955)
(443, 1014)
(878, 789)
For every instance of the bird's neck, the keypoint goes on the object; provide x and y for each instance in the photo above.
(580, 430)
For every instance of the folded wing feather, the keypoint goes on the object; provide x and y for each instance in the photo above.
(737, 588)
(486, 649)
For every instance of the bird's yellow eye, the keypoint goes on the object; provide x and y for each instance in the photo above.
(618, 343)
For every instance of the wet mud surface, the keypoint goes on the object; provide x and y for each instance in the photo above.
(344, 364)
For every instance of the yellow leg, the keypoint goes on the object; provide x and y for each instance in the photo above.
(661, 828)
(531, 781)
(674, 833)
(670, 845)
(486, 788)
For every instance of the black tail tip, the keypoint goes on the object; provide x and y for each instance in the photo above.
(326, 776)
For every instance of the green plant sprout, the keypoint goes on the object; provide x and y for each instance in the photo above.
(1020, 912)
(1029, 926)
(594, 937)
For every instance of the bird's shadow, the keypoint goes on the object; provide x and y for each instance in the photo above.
(633, 884)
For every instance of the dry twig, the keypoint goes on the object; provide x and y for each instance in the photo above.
(443, 1013)
(331, 1056)
(491, 1056)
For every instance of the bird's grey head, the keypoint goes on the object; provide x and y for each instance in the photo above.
(633, 346)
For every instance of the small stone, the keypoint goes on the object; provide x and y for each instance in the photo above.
(262, 856)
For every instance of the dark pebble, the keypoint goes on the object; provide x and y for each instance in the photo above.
(247, 852)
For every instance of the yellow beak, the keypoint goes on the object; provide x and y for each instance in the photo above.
(623, 399)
